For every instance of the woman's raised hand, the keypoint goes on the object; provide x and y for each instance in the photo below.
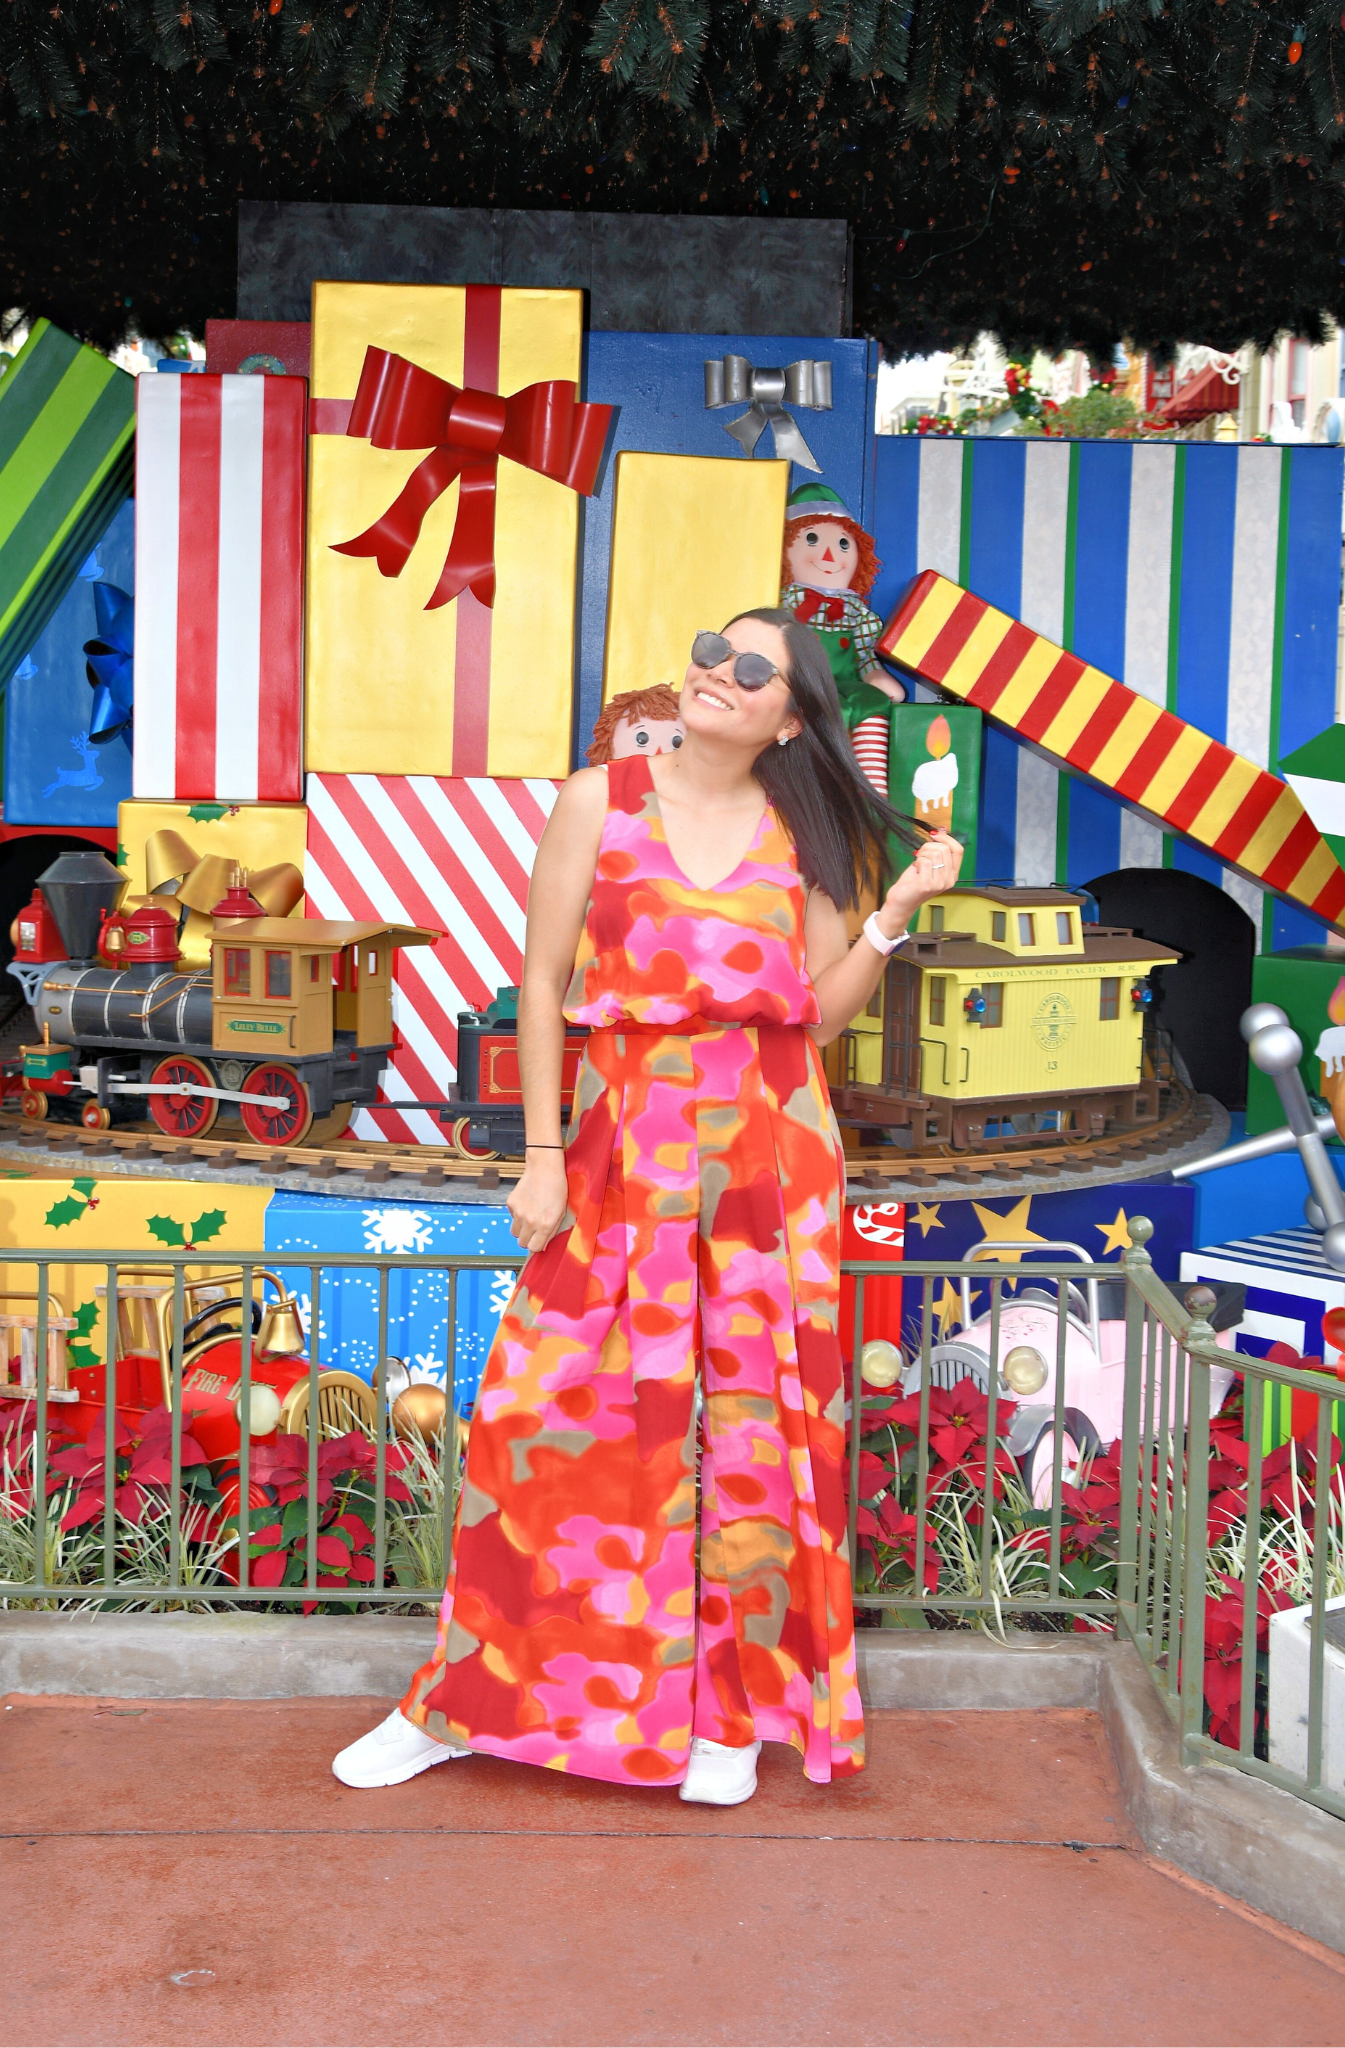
(935, 868)
(539, 1201)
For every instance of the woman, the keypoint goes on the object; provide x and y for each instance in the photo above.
(690, 910)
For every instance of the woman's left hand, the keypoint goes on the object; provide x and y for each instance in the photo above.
(934, 869)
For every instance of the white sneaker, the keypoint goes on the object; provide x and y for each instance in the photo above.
(718, 1775)
(391, 1753)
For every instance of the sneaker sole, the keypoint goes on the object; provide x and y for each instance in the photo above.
(402, 1774)
(700, 1799)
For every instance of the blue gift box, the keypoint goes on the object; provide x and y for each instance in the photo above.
(1093, 1218)
(1290, 1287)
(307, 1226)
(54, 774)
(658, 383)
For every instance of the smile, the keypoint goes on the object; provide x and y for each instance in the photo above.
(720, 703)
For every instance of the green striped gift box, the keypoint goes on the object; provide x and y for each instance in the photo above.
(67, 427)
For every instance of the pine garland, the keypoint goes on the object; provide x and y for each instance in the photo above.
(1062, 173)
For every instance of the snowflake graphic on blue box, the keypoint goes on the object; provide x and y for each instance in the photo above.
(308, 1226)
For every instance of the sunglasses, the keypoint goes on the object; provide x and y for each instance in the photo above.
(750, 671)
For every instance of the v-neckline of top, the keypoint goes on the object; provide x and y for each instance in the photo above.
(705, 888)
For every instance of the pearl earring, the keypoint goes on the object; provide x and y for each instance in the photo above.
(782, 740)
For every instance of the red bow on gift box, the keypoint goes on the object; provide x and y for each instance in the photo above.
(815, 601)
(543, 427)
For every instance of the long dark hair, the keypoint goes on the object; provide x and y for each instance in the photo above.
(837, 820)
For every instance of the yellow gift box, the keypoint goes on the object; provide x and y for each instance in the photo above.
(186, 852)
(121, 1213)
(465, 688)
(694, 541)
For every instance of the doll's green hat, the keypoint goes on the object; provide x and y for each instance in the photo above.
(816, 501)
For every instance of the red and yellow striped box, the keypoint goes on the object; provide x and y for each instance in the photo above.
(1087, 721)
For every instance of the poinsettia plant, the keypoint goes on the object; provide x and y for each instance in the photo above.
(141, 1473)
(345, 1500)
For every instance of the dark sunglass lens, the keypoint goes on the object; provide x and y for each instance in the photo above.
(709, 649)
(752, 671)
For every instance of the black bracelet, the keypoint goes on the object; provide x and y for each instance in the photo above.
(528, 1146)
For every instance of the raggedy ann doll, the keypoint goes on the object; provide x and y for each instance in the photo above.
(828, 571)
(637, 722)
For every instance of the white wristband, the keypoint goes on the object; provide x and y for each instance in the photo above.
(878, 938)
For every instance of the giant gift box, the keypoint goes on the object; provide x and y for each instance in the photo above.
(1207, 578)
(448, 455)
(447, 852)
(1290, 1287)
(86, 1214)
(67, 420)
(694, 540)
(657, 382)
(171, 842)
(304, 1227)
(54, 772)
(219, 581)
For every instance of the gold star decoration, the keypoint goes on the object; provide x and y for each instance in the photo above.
(1007, 1228)
(926, 1217)
(948, 1308)
(1115, 1235)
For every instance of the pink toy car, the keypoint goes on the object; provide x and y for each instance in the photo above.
(1095, 1335)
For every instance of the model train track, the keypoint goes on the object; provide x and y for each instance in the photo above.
(1184, 1122)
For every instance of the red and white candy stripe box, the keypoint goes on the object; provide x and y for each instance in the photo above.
(452, 852)
(219, 571)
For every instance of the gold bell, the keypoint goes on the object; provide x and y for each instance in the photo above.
(281, 1333)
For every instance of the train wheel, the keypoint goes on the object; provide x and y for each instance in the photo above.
(463, 1146)
(95, 1118)
(324, 1128)
(33, 1104)
(183, 1114)
(265, 1122)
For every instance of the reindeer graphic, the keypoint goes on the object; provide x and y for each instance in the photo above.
(86, 777)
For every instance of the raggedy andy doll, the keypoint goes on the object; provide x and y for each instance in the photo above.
(829, 569)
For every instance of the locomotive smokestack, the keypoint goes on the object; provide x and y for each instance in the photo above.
(80, 889)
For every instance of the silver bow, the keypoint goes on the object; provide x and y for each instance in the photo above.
(732, 380)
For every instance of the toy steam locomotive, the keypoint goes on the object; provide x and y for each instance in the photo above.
(289, 1028)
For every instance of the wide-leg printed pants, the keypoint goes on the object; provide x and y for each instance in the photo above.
(705, 1196)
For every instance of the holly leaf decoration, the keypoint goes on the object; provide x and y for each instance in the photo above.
(79, 1353)
(68, 1210)
(84, 1187)
(206, 1226)
(207, 814)
(167, 1231)
(121, 855)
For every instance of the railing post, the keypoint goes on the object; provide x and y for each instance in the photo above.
(1196, 1534)
(1133, 1260)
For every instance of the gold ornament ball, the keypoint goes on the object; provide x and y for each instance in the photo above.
(421, 1411)
(880, 1363)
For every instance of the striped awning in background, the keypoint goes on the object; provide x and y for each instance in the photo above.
(1205, 576)
(1088, 722)
(453, 852)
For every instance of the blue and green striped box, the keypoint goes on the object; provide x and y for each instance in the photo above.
(67, 425)
(1206, 576)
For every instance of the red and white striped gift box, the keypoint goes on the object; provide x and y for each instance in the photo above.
(449, 851)
(219, 572)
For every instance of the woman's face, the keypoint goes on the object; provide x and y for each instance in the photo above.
(715, 705)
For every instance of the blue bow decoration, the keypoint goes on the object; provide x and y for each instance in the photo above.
(110, 667)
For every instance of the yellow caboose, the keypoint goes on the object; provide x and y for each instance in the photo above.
(1003, 1018)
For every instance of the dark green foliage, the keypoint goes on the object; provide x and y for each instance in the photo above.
(1062, 172)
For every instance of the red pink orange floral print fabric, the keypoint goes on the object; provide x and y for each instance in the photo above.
(705, 1194)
